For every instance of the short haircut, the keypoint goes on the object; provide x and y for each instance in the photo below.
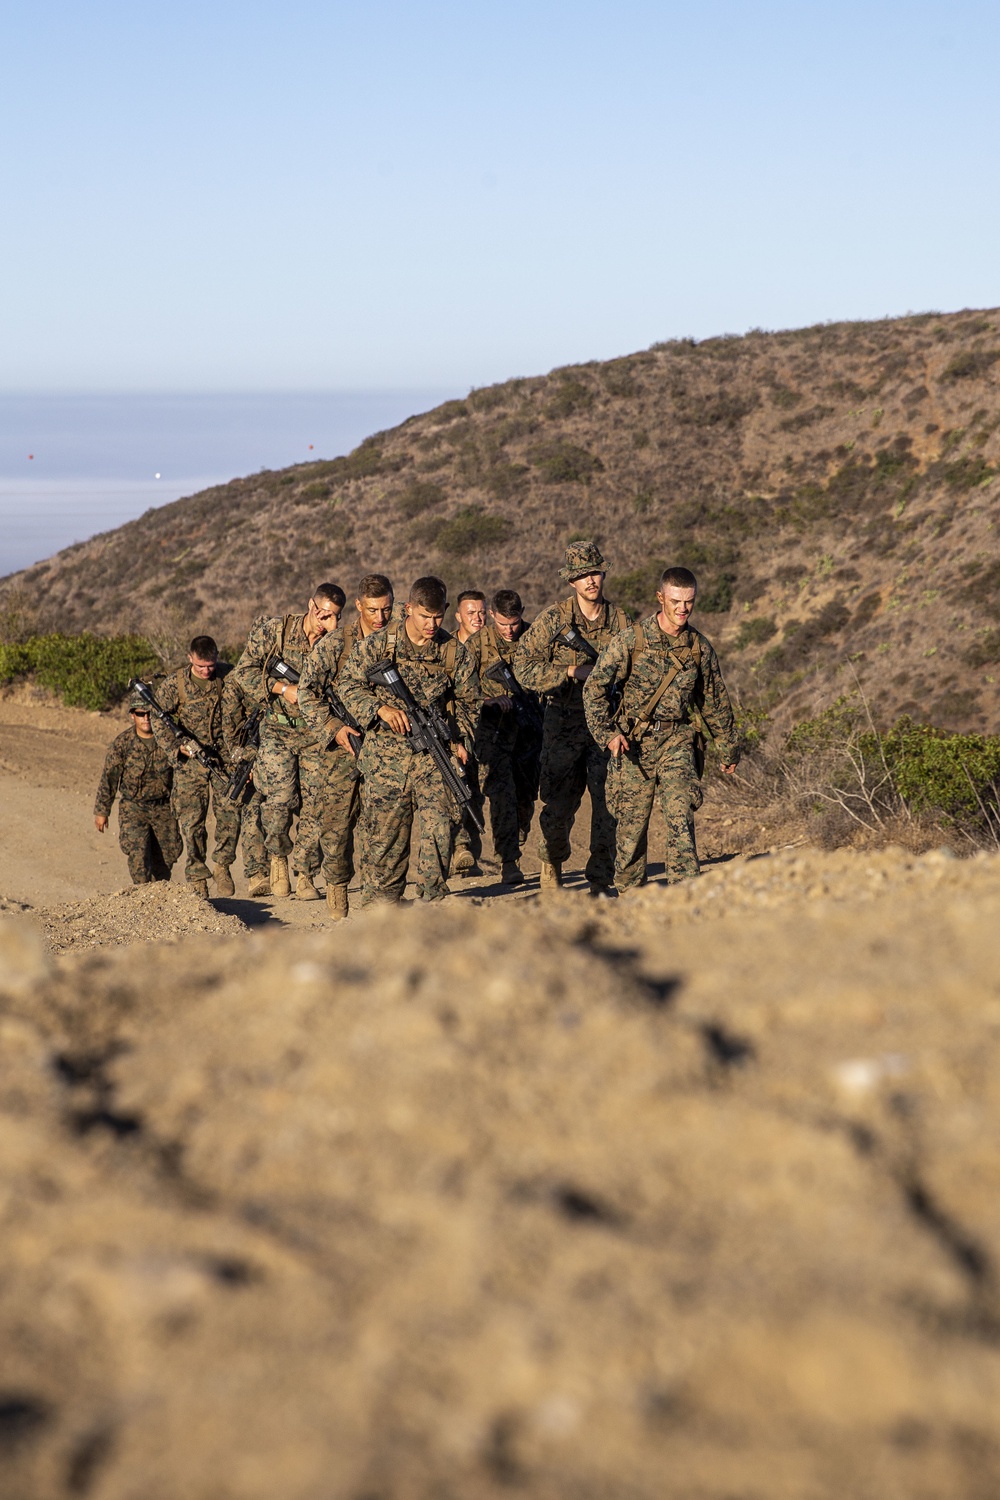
(430, 593)
(204, 648)
(470, 594)
(374, 586)
(331, 592)
(678, 578)
(507, 602)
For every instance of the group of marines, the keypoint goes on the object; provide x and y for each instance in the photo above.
(586, 701)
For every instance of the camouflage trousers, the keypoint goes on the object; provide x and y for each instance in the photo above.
(252, 838)
(193, 788)
(289, 773)
(400, 784)
(149, 838)
(339, 807)
(572, 763)
(496, 741)
(664, 768)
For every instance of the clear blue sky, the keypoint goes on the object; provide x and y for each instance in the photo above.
(231, 194)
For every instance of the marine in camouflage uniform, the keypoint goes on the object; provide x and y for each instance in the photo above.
(339, 799)
(658, 689)
(290, 765)
(401, 782)
(572, 762)
(137, 771)
(507, 743)
(236, 710)
(193, 696)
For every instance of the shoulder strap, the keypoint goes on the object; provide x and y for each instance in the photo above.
(180, 677)
(391, 636)
(620, 619)
(451, 656)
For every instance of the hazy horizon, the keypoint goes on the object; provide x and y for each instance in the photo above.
(73, 465)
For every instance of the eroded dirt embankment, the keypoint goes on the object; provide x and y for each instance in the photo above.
(604, 1200)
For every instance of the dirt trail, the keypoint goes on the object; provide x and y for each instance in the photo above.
(695, 1193)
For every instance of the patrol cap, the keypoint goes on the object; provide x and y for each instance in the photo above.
(137, 704)
(582, 558)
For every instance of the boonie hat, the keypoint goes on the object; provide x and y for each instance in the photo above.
(582, 558)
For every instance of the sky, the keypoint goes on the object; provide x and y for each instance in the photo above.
(232, 195)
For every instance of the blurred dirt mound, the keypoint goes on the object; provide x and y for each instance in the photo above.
(582, 1202)
(163, 912)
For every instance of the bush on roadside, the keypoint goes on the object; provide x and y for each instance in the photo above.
(87, 671)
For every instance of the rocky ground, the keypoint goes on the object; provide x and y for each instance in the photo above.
(691, 1194)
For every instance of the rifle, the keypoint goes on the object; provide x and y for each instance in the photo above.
(280, 671)
(242, 773)
(204, 755)
(576, 641)
(525, 707)
(429, 732)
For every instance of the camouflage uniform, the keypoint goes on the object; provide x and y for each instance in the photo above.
(339, 804)
(196, 704)
(507, 749)
(289, 769)
(236, 709)
(661, 757)
(400, 781)
(138, 770)
(571, 761)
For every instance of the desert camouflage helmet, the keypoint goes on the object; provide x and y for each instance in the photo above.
(582, 558)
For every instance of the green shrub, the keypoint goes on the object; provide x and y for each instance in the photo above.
(985, 651)
(562, 463)
(968, 473)
(971, 363)
(570, 396)
(954, 774)
(636, 591)
(87, 671)
(471, 530)
(755, 632)
(448, 412)
(419, 496)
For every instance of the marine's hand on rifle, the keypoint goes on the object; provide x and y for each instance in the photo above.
(343, 738)
(618, 745)
(287, 692)
(395, 718)
(501, 701)
(580, 673)
(729, 770)
(187, 748)
(461, 754)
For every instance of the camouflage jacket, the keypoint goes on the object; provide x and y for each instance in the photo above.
(283, 637)
(195, 704)
(424, 669)
(136, 768)
(322, 668)
(540, 664)
(627, 676)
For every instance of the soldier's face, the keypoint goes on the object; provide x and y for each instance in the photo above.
(374, 614)
(471, 615)
(202, 668)
(140, 718)
(424, 623)
(589, 587)
(324, 614)
(676, 606)
(507, 626)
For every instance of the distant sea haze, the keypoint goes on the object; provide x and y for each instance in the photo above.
(74, 465)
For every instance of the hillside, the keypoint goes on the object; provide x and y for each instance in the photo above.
(833, 487)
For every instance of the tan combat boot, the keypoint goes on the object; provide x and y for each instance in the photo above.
(511, 873)
(279, 876)
(200, 888)
(259, 886)
(463, 861)
(550, 875)
(304, 889)
(224, 881)
(336, 902)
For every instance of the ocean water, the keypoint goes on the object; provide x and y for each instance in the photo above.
(75, 465)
